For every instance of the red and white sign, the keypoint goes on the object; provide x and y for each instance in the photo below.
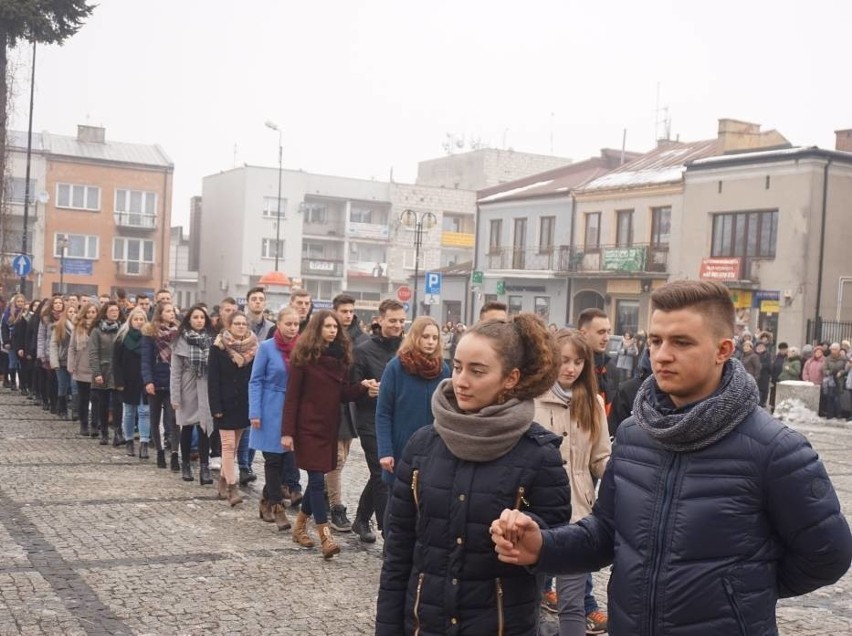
(403, 294)
(720, 269)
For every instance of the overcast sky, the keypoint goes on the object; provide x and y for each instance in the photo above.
(360, 87)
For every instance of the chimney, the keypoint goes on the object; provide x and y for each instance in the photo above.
(737, 135)
(91, 134)
(843, 140)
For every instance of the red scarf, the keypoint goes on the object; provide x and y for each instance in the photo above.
(417, 364)
(285, 346)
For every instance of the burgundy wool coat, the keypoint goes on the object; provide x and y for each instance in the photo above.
(312, 411)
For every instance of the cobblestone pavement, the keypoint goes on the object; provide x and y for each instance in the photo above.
(95, 542)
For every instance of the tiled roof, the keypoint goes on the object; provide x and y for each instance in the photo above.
(664, 164)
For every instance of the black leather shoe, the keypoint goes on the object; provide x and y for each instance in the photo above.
(186, 472)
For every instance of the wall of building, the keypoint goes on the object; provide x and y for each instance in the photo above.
(13, 220)
(480, 169)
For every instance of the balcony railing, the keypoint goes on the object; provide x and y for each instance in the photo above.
(566, 258)
(135, 220)
(321, 267)
(457, 239)
(134, 269)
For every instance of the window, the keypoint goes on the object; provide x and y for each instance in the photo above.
(321, 289)
(79, 246)
(541, 306)
(315, 213)
(270, 207)
(593, 231)
(745, 234)
(545, 234)
(408, 259)
(519, 241)
(129, 250)
(136, 208)
(78, 197)
(16, 190)
(267, 248)
(313, 250)
(623, 228)
(361, 215)
(495, 230)
(626, 316)
(661, 225)
(452, 223)
(515, 305)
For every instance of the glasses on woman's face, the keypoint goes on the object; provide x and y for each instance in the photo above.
(239, 324)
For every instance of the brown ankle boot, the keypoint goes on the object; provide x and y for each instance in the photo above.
(265, 511)
(222, 487)
(234, 496)
(280, 517)
(300, 531)
(329, 547)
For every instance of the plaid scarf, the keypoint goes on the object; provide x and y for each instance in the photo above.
(108, 326)
(199, 349)
(164, 337)
(240, 351)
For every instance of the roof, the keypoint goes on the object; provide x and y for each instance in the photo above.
(111, 151)
(458, 269)
(664, 164)
(769, 155)
(557, 181)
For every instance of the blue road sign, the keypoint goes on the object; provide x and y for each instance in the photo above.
(433, 283)
(22, 264)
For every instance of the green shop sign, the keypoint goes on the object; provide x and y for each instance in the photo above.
(623, 259)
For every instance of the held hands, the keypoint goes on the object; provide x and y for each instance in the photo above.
(517, 538)
(387, 463)
(287, 443)
(99, 379)
(372, 387)
(150, 389)
(255, 422)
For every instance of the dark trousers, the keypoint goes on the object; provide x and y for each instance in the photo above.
(36, 378)
(314, 501)
(291, 472)
(84, 396)
(273, 471)
(104, 401)
(25, 374)
(161, 411)
(374, 497)
(186, 444)
(216, 443)
(51, 393)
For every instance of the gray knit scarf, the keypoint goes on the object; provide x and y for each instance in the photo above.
(483, 436)
(199, 350)
(701, 424)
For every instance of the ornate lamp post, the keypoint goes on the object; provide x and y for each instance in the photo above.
(273, 126)
(419, 222)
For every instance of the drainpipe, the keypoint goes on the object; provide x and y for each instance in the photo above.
(818, 314)
(166, 233)
(469, 293)
(569, 287)
(841, 281)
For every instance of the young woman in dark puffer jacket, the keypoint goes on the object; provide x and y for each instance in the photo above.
(484, 452)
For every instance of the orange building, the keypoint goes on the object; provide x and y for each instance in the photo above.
(106, 224)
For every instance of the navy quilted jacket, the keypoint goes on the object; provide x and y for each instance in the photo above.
(706, 542)
(441, 575)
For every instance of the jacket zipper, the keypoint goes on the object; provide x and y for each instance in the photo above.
(660, 539)
(732, 599)
(415, 492)
(520, 500)
(500, 619)
(420, 578)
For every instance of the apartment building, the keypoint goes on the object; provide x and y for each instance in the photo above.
(103, 213)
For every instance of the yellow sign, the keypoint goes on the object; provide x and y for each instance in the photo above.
(770, 307)
(741, 298)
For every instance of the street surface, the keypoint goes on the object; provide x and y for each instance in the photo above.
(95, 542)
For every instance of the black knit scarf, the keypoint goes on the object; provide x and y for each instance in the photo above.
(703, 423)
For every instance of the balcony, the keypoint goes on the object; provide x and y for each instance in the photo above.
(639, 258)
(136, 221)
(134, 270)
(457, 239)
(321, 267)
(368, 231)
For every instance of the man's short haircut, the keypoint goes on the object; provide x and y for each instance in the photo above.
(298, 292)
(256, 290)
(141, 297)
(708, 298)
(389, 304)
(588, 315)
(342, 299)
(494, 305)
(228, 301)
(121, 293)
(162, 290)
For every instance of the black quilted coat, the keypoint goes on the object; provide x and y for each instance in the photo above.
(441, 575)
(705, 542)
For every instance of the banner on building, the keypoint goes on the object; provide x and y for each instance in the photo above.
(623, 259)
(720, 269)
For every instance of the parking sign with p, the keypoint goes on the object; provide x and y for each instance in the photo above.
(433, 283)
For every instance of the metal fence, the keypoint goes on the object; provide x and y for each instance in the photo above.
(820, 330)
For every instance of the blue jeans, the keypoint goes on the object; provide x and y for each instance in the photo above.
(245, 455)
(129, 421)
(589, 600)
(314, 500)
(63, 382)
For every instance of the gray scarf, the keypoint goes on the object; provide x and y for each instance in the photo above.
(483, 436)
(701, 424)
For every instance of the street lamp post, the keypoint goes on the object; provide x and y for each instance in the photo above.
(272, 125)
(420, 222)
(23, 283)
(62, 243)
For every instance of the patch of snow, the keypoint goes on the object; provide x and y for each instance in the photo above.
(794, 413)
(514, 191)
(637, 178)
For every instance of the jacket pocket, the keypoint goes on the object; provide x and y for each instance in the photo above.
(417, 594)
(501, 622)
(735, 606)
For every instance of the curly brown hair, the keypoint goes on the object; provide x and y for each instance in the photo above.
(523, 343)
(310, 345)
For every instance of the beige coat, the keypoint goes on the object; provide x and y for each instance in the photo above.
(582, 456)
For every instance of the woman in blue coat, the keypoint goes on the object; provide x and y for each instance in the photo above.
(267, 387)
(405, 393)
